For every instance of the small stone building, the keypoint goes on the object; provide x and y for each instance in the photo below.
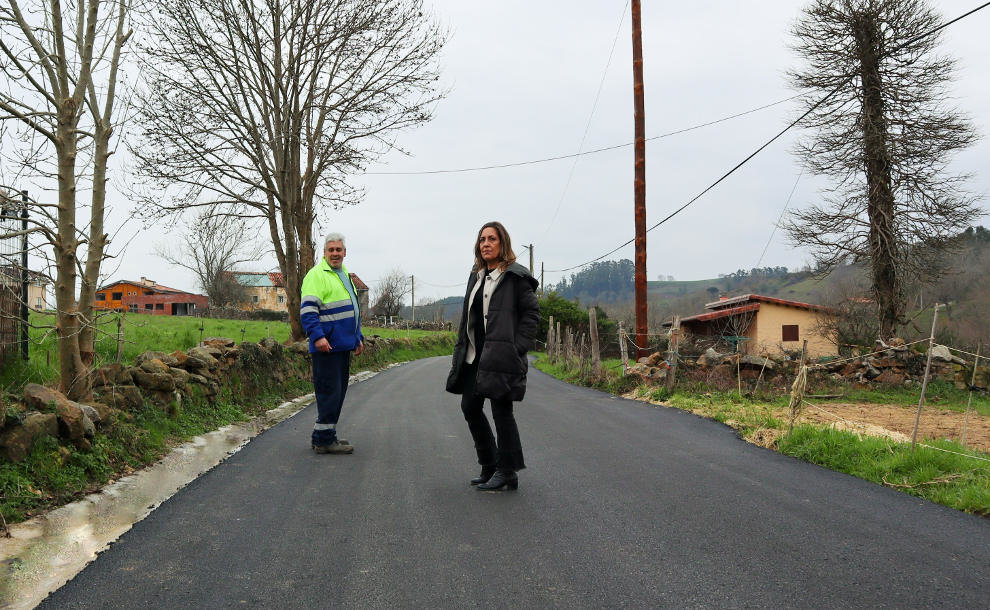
(763, 326)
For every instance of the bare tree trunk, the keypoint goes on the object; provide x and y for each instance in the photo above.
(880, 207)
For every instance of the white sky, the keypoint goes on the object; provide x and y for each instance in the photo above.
(523, 78)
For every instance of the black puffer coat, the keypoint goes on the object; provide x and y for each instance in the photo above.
(513, 319)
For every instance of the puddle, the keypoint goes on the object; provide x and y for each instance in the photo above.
(46, 551)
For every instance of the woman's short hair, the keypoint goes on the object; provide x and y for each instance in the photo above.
(334, 237)
(505, 256)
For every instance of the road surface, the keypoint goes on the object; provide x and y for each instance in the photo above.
(623, 504)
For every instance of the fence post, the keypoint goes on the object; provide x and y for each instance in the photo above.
(550, 339)
(672, 350)
(120, 336)
(596, 358)
(623, 351)
(969, 404)
(924, 381)
(557, 341)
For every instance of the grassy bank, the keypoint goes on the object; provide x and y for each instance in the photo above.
(960, 479)
(142, 333)
(54, 474)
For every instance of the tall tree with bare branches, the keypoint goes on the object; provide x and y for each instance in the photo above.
(61, 61)
(389, 292)
(212, 248)
(261, 108)
(884, 136)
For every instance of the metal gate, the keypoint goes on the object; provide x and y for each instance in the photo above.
(11, 252)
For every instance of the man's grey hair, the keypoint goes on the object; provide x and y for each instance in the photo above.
(334, 237)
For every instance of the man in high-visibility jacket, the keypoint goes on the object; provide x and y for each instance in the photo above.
(332, 319)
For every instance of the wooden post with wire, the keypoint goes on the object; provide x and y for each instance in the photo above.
(120, 336)
(550, 340)
(672, 351)
(623, 351)
(596, 359)
(924, 381)
(639, 180)
(969, 403)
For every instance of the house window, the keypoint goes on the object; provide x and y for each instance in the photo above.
(37, 303)
(116, 296)
(281, 299)
(148, 292)
(149, 306)
(160, 306)
(789, 332)
(133, 308)
(254, 299)
(101, 296)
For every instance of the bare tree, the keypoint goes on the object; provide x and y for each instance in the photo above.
(264, 108)
(388, 293)
(61, 62)
(212, 248)
(884, 135)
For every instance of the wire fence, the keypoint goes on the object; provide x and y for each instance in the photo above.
(13, 248)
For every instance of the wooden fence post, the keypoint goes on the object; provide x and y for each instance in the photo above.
(924, 381)
(672, 349)
(972, 384)
(550, 340)
(558, 340)
(623, 351)
(596, 359)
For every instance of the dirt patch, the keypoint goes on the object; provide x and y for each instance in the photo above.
(897, 422)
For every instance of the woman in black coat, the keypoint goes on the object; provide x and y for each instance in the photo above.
(498, 326)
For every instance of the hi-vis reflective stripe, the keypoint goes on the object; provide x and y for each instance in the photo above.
(337, 316)
(324, 426)
(336, 304)
(309, 309)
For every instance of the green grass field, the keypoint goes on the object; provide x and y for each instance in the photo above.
(142, 333)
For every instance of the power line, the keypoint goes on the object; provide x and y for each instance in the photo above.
(587, 152)
(774, 232)
(773, 139)
(594, 107)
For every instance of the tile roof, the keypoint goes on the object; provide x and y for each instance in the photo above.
(758, 298)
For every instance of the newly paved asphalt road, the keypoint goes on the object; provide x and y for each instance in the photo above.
(623, 504)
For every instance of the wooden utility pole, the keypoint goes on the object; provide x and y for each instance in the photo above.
(639, 185)
(541, 279)
(530, 246)
(412, 280)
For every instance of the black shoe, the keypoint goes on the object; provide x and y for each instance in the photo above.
(502, 479)
(486, 473)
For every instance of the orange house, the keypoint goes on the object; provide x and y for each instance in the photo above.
(148, 296)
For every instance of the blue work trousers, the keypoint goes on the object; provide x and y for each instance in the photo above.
(330, 373)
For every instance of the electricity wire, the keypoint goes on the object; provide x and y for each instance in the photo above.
(791, 125)
(779, 218)
(587, 152)
(587, 127)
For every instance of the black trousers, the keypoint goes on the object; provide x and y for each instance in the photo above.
(505, 453)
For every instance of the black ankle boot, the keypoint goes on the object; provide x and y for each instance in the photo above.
(486, 473)
(502, 479)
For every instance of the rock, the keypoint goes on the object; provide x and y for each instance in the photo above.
(109, 375)
(941, 352)
(711, 358)
(655, 359)
(891, 377)
(219, 342)
(166, 359)
(103, 412)
(201, 358)
(273, 346)
(155, 382)
(750, 360)
(180, 376)
(645, 360)
(121, 397)
(301, 347)
(40, 398)
(16, 441)
(154, 366)
(73, 423)
(180, 358)
(93, 415)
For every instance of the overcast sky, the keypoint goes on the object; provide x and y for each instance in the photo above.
(523, 77)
